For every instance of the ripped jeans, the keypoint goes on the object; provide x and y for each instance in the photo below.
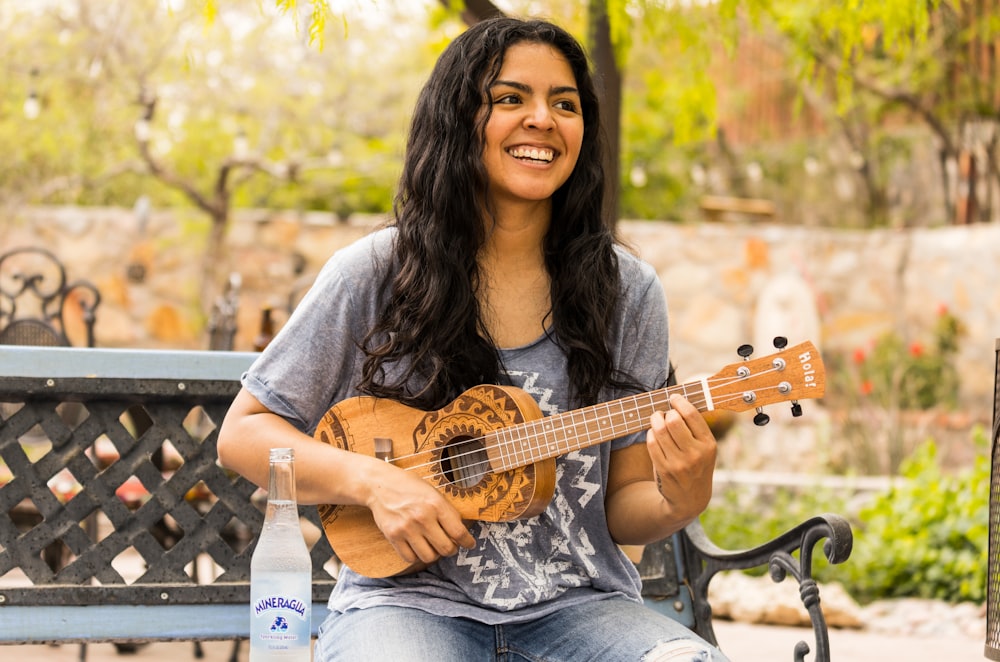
(612, 630)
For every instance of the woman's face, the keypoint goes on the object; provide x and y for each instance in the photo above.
(535, 131)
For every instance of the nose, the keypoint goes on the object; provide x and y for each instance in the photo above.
(539, 116)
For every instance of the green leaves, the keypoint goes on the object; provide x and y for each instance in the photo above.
(926, 537)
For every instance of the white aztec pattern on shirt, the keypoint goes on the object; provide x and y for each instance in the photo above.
(511, 545)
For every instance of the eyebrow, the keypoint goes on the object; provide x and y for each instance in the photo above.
(562, 89)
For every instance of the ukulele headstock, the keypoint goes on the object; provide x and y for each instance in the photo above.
(791, 374)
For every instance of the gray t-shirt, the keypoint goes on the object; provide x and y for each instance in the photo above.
(519, 570)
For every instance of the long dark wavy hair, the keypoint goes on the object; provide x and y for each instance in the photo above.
(429, 342)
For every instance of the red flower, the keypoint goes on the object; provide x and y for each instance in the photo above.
(916, 349)
(867, 387)
(859, 356)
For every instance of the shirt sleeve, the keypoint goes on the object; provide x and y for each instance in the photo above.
(315, 361)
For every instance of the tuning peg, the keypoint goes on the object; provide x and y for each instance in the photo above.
(745, 351)
(761, 419)
(796, 409)
(780, 342)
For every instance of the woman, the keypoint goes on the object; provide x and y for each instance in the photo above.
(498, 269)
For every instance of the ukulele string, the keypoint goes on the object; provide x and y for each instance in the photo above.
(532, 429)
(575, 440)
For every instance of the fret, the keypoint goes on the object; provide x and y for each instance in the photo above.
(503, 447)
(548, 430)
(523, 444)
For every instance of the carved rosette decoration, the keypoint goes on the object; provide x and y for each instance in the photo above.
(463, 429)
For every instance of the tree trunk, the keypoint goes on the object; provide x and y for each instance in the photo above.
(609, 91)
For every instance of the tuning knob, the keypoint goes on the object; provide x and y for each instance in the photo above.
(761, 419)
(796, 409)
(745, 351)
(780, 342)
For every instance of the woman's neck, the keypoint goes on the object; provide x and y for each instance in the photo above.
(514, 290)
(515, 238)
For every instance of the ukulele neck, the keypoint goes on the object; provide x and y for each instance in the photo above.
(552, 436)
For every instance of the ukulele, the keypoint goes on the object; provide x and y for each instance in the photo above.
(491, 453)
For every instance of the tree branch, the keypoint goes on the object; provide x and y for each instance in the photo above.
(476, 10)
(899, 95)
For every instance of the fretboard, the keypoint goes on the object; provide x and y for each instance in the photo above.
(552, 436)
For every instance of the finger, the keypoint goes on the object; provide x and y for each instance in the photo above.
(669, 433)
(424, 551)
(656, 438)
(439, 533)
(404, 550)
(691, 416)
(459, 533)
(673, 446)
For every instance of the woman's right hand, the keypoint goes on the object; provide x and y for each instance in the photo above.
(420, 524)
(414, 517)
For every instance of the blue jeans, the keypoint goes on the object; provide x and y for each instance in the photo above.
(612, 630)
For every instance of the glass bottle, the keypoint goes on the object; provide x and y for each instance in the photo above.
(266, 333)
(281, 573)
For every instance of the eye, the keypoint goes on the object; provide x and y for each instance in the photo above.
(567, 105)
(507, 99)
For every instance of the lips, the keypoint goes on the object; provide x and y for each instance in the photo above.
(536, 154)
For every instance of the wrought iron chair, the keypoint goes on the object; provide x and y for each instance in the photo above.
(34, 296)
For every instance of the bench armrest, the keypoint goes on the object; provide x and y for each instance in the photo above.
(705, 559)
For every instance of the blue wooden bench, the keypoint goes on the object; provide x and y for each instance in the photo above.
(117, 523)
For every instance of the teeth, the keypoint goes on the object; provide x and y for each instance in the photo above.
(532, 153)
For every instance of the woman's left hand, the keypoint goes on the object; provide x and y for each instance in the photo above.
(683, 451)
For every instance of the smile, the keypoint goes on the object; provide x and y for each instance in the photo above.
(542, 155)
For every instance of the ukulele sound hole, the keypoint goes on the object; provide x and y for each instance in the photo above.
(465, 462)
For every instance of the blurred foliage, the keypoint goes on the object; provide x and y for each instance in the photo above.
(319, 92)
(888, 390)
(925, 537)
(740, 518)
(892, 372)
(321, 131)
(928, 536)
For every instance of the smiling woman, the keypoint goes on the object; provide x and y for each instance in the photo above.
(498, 270)
(534, 130)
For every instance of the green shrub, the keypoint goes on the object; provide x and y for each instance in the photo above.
(927, 536)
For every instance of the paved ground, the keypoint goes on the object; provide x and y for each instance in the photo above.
(743, 643)
(764, 643)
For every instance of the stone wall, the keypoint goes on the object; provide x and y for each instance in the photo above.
(726, 283)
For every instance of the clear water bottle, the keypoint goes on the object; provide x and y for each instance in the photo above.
(281, 573)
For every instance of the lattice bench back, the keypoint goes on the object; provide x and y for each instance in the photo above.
(116, 522)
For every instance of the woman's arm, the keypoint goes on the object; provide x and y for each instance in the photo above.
(658, 488)
(419, 522)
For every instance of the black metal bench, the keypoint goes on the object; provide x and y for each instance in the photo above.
(116, 451)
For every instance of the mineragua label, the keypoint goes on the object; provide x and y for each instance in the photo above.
(282, 621)
(280, 602)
